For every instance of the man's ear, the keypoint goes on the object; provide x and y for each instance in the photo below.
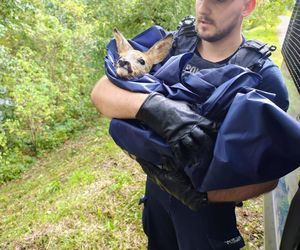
(122, 44)
(249, 7)
(160, 49)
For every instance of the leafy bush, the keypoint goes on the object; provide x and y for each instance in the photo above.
(46, 53)
(267, 12)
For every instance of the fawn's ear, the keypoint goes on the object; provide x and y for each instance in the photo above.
(122, 44)
(160, 49)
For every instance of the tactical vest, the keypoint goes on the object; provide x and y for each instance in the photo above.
(252, 54)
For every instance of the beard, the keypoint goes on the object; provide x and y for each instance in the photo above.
(219, 34)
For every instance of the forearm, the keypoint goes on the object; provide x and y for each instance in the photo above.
(241, 193)
(115, 102)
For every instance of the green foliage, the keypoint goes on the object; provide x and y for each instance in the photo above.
(47, 68)
(267, 12)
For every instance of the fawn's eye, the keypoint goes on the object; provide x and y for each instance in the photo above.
(141, 61)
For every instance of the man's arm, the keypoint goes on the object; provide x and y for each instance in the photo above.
(241, 193)
(115, 102)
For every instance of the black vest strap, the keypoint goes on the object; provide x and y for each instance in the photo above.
(185, 38)
(252, 54)
(291, 233)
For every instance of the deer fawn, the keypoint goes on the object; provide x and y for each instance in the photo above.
(133, 63)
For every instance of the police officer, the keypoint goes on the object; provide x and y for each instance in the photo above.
(169, 222)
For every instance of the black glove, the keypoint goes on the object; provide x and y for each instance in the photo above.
(189, 134)
(175, 183)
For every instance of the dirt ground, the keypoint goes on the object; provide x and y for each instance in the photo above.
(250, 223)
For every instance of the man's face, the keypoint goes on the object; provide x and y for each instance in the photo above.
(216, 19)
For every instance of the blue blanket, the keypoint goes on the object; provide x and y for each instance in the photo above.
(256, 142)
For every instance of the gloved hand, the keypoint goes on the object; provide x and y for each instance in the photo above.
(175, 183)
(189, 134)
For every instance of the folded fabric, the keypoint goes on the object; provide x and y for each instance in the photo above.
(257, 142)
(252, 128)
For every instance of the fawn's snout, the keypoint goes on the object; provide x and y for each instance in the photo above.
(133, 63)
(121, 63)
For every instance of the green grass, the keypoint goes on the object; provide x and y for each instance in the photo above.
(250, 218)
(294, 109)
(269, 36)
(84, 195)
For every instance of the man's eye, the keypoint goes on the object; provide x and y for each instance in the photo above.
(141, 61)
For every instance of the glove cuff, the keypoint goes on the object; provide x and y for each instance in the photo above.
(145, 113)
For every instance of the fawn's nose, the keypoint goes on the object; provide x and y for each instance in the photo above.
(123, 63)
